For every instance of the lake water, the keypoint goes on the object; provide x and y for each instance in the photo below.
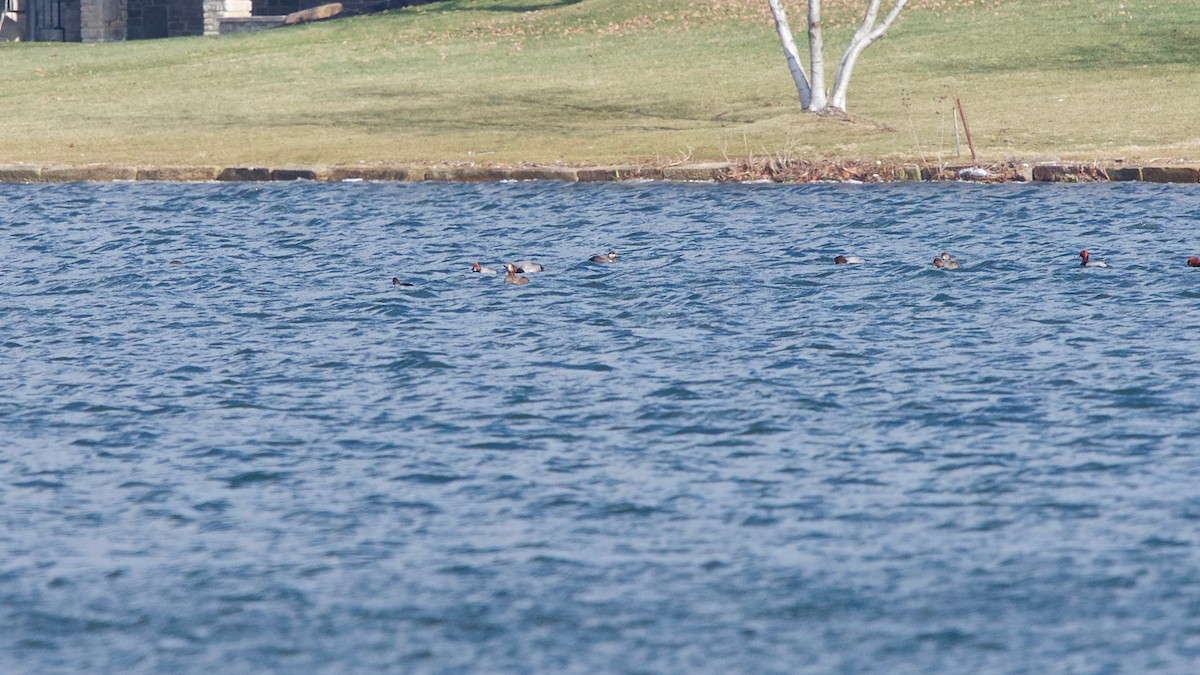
(721, 454)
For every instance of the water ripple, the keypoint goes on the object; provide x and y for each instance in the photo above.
(231, 443)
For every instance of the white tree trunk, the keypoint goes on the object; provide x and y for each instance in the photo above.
(816, 57)
(866, 34)
(791, 54)
(813, 97)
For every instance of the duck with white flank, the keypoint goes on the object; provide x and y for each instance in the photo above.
(511, 277)
(848, 260)
(945, 261)
(528, 266)
(610, 257)
(481, 269)
(1087, 260)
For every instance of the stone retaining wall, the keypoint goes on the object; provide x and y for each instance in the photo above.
(714, 171)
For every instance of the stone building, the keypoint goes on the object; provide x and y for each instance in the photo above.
(115, 20)
(112, 20)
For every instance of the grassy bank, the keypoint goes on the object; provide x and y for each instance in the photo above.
(616, 80)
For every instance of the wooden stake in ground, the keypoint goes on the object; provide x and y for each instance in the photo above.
(966, 129)
(957, 143)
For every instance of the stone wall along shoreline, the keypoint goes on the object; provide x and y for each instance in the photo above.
(798, 172)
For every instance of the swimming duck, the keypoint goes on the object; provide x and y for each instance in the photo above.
(610, 257)
(527, 266)
(397, 282)
(1194, 261)
(945, 261)
(511, 277)
(481, 269)
(1088, 262)
(848, 260)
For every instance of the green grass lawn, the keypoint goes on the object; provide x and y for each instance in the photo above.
(596, 81)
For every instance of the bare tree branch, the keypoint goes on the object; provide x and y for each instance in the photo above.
(866, 34)
(791, 54)
(813, 95)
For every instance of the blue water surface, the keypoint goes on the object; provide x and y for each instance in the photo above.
(721, 454)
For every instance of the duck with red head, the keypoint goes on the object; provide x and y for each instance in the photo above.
(1194, 261)
(1087, 261)
(481, 269)
(848, 260)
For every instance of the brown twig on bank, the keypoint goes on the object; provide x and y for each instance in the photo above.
(966, 129)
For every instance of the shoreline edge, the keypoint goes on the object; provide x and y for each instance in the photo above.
(721, 172)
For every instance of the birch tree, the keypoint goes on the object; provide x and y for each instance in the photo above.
(813, 95)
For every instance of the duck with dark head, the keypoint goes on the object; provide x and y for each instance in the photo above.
(528, 266)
